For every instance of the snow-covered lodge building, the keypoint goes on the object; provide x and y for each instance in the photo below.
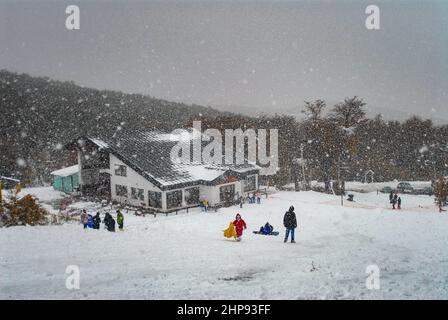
(135, 168)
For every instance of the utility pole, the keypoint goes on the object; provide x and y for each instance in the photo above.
(339, 181)
(342, 196)
(303, 164)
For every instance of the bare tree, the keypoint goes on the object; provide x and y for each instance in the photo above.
(314, 110)
(441, 192)
(349, 113)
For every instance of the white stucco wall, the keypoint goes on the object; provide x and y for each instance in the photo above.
(132, 179)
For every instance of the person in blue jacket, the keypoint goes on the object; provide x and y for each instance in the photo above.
(90, 221)
(267, 229)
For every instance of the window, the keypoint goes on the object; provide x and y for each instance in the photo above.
(155, 199)
(121, 191)
(174, 199)
(120, 170)
(192, 196)
(227, 193)
(250, 184)
(137, 194)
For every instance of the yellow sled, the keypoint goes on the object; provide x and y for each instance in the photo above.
(230, 231)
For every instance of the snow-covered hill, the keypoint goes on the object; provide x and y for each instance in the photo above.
(186, 256)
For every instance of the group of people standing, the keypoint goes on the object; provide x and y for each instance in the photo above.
(251, 197)
(204, 205)
(394, 199)
(238, 225)
(93, 222)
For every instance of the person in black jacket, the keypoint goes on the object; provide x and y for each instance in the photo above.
(290, 223)
(111, 226)
(96, 221)
(106, 219)
(109, 222)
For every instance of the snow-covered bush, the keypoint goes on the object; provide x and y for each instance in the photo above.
(23, 211)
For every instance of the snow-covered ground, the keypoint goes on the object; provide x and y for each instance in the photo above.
(370, 187)
(186, 256)
(366, 187)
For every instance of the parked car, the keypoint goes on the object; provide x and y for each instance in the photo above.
(405, 187)
(426, 191)
(386, 189)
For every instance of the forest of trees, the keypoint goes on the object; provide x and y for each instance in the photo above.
(411, 150)
(345, 144)
(39, 116)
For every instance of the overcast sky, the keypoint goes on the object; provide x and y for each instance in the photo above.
(268, 55)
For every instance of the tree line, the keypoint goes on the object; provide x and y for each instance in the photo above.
(39, 116)
(343, 144)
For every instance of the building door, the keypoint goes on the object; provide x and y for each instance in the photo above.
(227, 193)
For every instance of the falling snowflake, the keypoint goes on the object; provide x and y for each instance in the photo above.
(21, 162)
(423, 149)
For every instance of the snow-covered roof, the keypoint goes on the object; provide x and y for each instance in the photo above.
(190, 173)
(100, 143)
(148, 152)
(9, 179)
(65, 172)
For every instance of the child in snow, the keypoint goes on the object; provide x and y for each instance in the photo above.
(239, 224)
(258, 197)
(205, 205)
(96, 221)
(267, 229)
(394, 200)
(84, 218)
(202, 205)
(109, 222)
(90, 221)
(120, 220)
(106, 219)
(399, 203)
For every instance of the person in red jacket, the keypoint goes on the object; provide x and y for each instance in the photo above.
(239, 224)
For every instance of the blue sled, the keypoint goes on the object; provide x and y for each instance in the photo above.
(273, 233)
